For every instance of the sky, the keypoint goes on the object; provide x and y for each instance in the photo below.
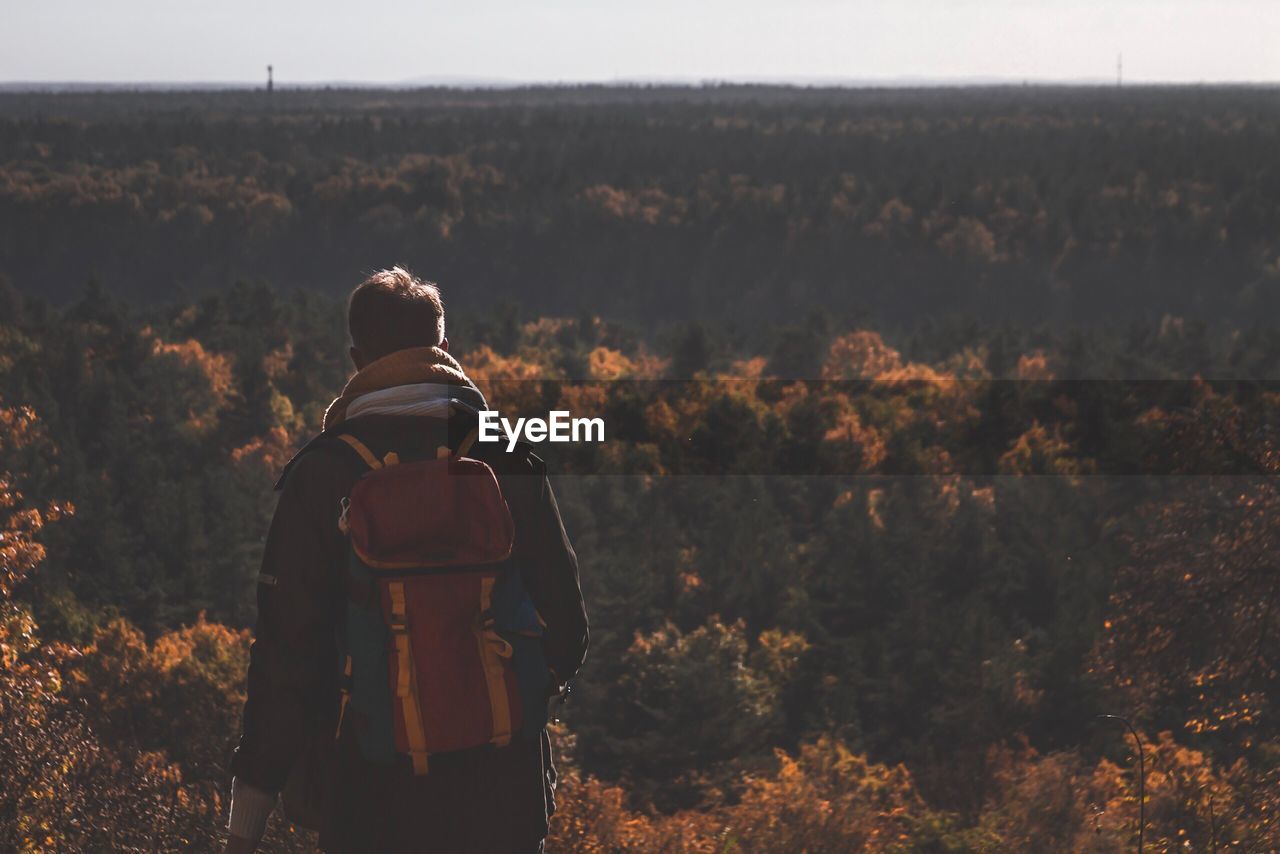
(403, 41)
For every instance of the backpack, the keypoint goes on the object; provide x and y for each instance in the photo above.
(442, 644)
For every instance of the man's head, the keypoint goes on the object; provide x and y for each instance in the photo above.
(394, 310)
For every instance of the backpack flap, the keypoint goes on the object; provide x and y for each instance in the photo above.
(431, 514)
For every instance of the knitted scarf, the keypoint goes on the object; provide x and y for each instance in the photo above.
(417, 365)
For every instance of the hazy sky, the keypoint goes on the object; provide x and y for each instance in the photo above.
(575, 40)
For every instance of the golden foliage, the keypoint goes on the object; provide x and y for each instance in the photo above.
(1034, 367)
(20, 550)
(861, 448)
(511, 383)
(970, 239)
(215, 367)
(1041, 451)
(61, 790)
(825, 798)
(864, 355)
(860, 355)
(651, 206)
(182, 692)
(269, 452)
(213, 382)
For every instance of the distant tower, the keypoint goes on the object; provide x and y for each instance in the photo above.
(1119, 70)
(271, 84)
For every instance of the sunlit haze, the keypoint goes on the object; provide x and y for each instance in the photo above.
(806, 41)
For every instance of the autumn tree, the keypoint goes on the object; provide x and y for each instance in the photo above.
(1191, 638)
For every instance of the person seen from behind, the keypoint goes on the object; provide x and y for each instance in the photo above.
(418, 606)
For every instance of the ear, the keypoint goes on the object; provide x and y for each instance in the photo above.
(444, 344)
(357, 358)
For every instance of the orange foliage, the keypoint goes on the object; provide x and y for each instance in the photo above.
(20, 551)
(270, 452)
(863, 355)
(215, 367)
(510, 382)
(860, 355)
(1041, 451)
(651, 206)
(892, 221)
(216, 383)
(862, 448)
(825, 798)
(607, 364)
(970, 239)
(1034, 367)
(62, 790)
(183, 692)
(750, 369)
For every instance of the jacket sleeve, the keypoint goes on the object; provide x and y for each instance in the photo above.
(293, 658)
(550, 571)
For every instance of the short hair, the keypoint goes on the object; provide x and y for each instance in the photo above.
(394, 310)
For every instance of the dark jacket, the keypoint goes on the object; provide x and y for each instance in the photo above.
(485, 800)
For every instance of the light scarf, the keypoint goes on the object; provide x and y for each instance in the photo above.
(417, 381)
(431, 400)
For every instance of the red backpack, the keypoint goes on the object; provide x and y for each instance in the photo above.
(443, 648)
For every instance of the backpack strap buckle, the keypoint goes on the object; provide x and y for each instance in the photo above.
(344, 505)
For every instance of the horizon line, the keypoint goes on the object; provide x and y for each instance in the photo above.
(474, 83)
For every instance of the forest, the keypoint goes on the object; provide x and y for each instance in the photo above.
(940, 425)
(652, 206)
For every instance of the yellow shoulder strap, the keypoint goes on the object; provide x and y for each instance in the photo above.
(467, 442)
(406, 687)
(391, 459)
(493, 649)
(443, 452)
(363, 450)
